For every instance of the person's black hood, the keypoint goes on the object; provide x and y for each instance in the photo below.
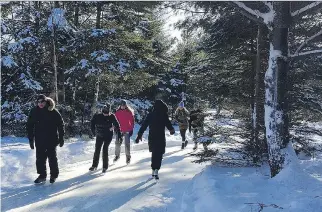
(160, 106)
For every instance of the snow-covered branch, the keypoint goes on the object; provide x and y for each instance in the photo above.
(255, 15)
(252, 12)
(318, 51)
(308, 40)
(306, 8)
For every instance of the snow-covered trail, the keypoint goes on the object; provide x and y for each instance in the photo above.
(122, 188)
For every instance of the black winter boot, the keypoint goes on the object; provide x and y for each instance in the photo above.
(116, 158)
(40, 179)
(52, 179)
(92, 168)
(128, 159)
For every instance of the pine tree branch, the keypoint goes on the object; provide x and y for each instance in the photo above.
(318, 51)
(306, 41)
(314, 5)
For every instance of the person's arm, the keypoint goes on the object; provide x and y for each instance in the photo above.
(116, 125)
(143, 127)
(61, 128)
(93, 123)
(31, 128)
(169, 125)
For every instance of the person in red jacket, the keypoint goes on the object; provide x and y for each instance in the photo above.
(125, 116)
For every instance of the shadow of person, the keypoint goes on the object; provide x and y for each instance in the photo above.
(34, 193)
(116, 200)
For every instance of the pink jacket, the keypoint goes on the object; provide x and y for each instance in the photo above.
(126, 120)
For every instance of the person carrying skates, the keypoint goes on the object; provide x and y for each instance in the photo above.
(103, 125)
(182, 117)
(156, 120)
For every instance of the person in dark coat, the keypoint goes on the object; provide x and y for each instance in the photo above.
(156, 120)
(102, 126)
(182, 117)
(45, 128)
(196, 125)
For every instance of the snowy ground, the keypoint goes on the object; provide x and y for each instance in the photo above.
(183, 186)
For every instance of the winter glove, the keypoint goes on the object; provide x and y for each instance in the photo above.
(31, 143)
(172, 132)
(131, 133)
(61, 142)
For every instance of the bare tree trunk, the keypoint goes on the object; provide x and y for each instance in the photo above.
(276, 120)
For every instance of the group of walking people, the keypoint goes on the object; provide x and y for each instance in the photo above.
(45, 128)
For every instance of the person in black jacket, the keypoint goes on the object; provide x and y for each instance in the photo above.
(156, 120)
(102, 125)
(43, 123)
(196, 125)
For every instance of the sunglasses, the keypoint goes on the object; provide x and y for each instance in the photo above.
(40, 101)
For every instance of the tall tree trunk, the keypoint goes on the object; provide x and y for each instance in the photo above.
(257, 87)
(98, 14)
(276, 120)
(97, 89)
(55, 63)
(76, 16)
(37, 19)
(98, 25)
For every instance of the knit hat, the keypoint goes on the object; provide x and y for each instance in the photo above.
(123, 102)
(41, 97)
(181, 104)
(106, 109)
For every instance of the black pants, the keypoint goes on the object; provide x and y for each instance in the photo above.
(105, 142)
(41, 157)
(183, 134)
(156, 160)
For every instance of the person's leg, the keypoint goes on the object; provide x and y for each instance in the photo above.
(117, 147)
(53, 162)
(127, 145)
(98, 147)
(41, 158)
(105, 152)
(156, 163)
(183, 138)
(195, 137)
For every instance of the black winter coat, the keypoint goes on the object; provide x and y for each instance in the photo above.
(101, 125)
(45, 126)
(197, 118)
(157, 120)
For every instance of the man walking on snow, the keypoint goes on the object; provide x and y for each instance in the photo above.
(156, 120)
(45, 128)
